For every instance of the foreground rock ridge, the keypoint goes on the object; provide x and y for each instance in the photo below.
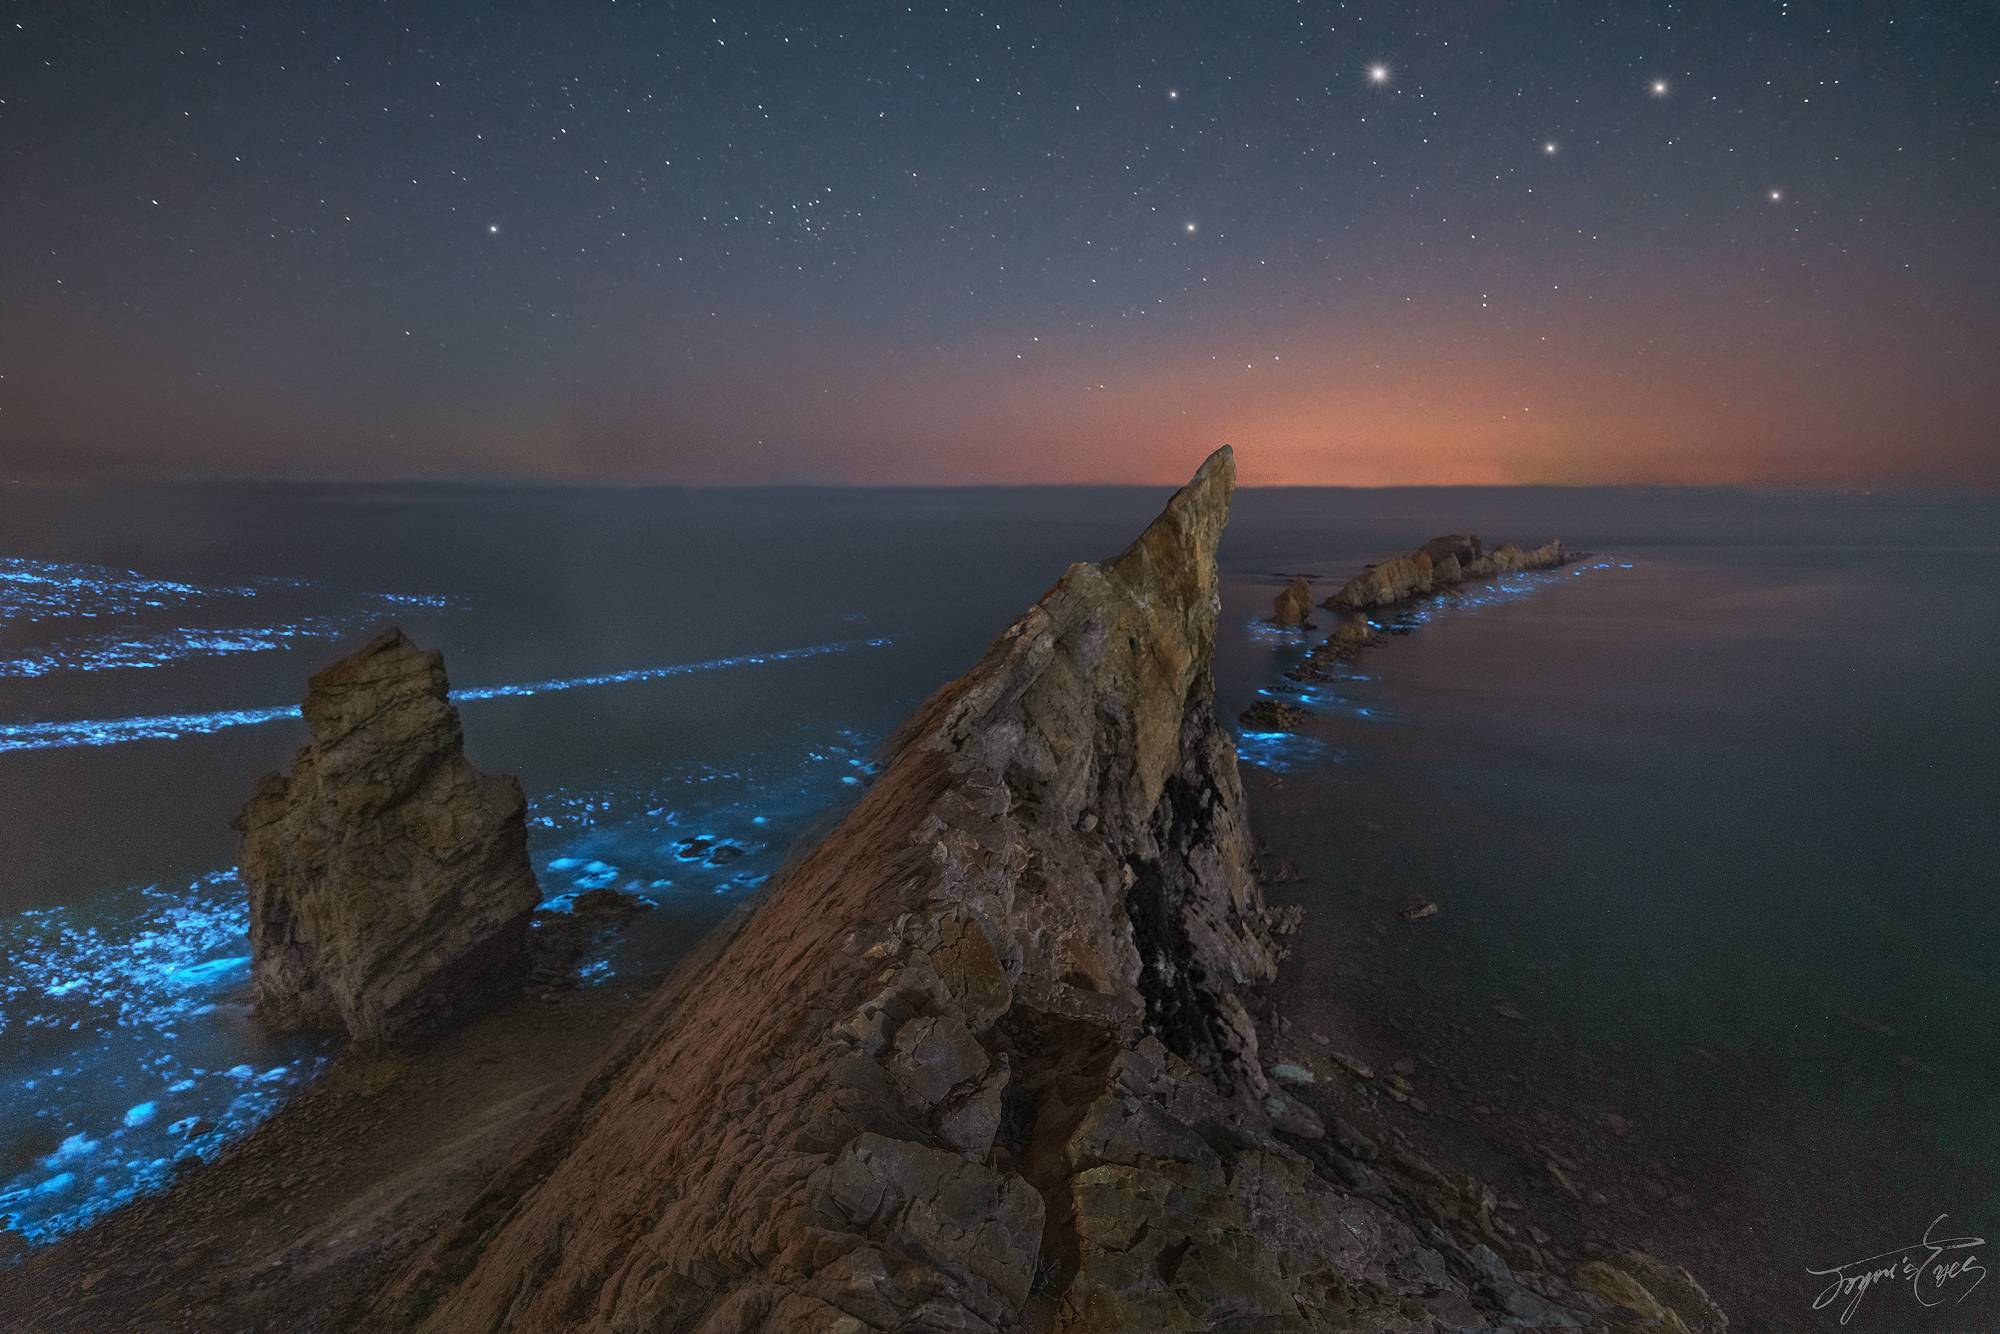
(389, 880)
(985, 1058)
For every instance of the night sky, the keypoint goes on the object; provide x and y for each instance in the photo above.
(857, 242)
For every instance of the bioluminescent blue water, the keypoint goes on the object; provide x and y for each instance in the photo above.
(1690, 794)
(33, 591)
(125, 1042)
(36, 590)
(1281, 751)
(662, 673)
(1286, 752)
(124, 1049)
(51, 735)
(103, 653)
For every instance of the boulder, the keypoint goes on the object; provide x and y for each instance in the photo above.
(389, 880)
(1294, 604)
(1547, 556)
(1461, 547)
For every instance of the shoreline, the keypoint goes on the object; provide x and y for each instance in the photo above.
(1730, 1178)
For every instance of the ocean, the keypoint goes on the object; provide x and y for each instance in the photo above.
(1709, 816)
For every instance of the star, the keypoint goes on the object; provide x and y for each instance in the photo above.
(1777, 196)
(1190, 229)
(1659, 87)
(1378, 74)
(492, 229)
(1549, 148)
(1173, 94)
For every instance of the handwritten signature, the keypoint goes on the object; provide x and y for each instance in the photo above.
(1933, 1278)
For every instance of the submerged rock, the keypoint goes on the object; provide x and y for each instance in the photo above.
(1273, 715)
(389, 880)
(1353, 634)
(1294, 604)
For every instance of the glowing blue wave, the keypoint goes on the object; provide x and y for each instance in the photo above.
(40, 590)
(103, 653)
(35, 590)
(662, 673)
(172, 726)
(124, 1048)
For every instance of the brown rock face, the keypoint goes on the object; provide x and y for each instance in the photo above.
(1437, 565)
(1294, 604)
(984, 1058)
(389, 879)
(1461, 547)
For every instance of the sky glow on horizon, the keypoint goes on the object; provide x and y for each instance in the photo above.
(831, 243)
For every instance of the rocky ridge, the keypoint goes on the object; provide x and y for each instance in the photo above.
(988, 1057)
(1434, 569)
(390, 887)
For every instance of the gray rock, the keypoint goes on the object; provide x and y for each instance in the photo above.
(389, 880)
(985, 1058)
(1294, 604)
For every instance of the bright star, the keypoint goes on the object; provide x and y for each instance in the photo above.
(1659, 87)
(492, 229)
(1777, 196)
(1378, 74)
(1190, 228)
(1549, 147)
(1173, 94)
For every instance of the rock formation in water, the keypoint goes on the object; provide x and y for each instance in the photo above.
(389, 879)
(1294, 603)
(1439, 564)
(1273, 715)
(983, 1059)
(1436, 567)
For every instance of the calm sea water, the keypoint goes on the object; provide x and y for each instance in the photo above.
(1730, 786)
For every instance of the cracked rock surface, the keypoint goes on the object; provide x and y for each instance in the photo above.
(390, 886)
(987, 1057)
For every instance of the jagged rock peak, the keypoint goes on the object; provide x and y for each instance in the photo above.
(983, 1059)
(389, 880)
(893, 1097)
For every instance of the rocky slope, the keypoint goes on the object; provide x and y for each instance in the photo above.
(389, 879)
(988, 1056)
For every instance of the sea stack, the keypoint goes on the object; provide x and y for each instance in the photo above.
(983, 1059)
(1294, 604)
(390, 887)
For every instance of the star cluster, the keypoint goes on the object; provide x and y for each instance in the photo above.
(835, 241)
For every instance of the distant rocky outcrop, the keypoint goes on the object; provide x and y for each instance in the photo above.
(389, 879)
(1436, 567)
(987, 1057)
(1440, 563)
(1294, 604)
